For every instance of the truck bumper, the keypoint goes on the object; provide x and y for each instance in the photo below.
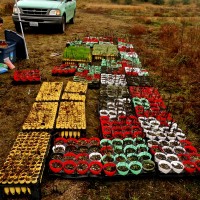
(27, 20)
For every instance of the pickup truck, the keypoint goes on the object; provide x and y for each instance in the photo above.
(35, 13)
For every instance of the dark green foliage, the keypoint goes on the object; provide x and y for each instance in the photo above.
(128, 2)
(186, 2)
(158, 2)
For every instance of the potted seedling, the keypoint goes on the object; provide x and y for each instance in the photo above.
(95, 167)
(129, 149)
(132, 157)
(60, 140)
(128, 141)
(173, 143)
(59, 149)
(141, 148)
(120, 158)
(190, 149)
(172, 157)
(179, 150)
(69, 156)
(83, 149)
(69, 167)
(148, 165)
(105, 142)
(95, 156)
(117, 142)
(109, 169)
(56, 156)
(71, 141)
(189, 166)
(167, 149)
(55, 165)
(158, 156)
(82, 167)
(135, 167)
(151, 143)
(177, 166)
(94, 141)
(94, 148)
(182, 157)
(118, 149)
(164, 166)
(122, 168)
(82, 142)
(144, 156)
(82, 157)
(107, 158)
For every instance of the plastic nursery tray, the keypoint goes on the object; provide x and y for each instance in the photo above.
(71, 116)
(64, 70)
(50, 91)
(76, 87)
(26, 76)
(23, 169)
(41, 116)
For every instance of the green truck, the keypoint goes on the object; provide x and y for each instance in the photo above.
(35, 13)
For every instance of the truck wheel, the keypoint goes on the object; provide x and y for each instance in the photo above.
(62, 26)
(71, 21)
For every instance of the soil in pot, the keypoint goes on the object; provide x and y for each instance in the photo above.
(164, 166)
(94, 148)
(82, 167)
(148, 166)
(108, 158)
(122, 168)
(110, 168)
(128, 142)
(164, 143)
(135, 167)
(120, 159)
(160, 156)
(83, 149)
(59, 150)
(71, 148)
(179, 150)
(132, 158)
(82, 142)
(172, 158)
(82, 157)
(95, 157)
(69, 166)
(95, 167)
(177, 166)
(57, 156)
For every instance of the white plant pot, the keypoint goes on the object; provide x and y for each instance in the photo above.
(158, 159)
(162, 169)
(175, 164)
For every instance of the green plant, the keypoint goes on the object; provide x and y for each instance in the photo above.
(186, 2)
(158, 2)
(128, 2)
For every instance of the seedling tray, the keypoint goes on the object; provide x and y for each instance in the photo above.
(23, 169)
(139, 81)
(76, 87)
(50, 91)
(26, 76)
(41, 117)
(71, 116)
(64, 70)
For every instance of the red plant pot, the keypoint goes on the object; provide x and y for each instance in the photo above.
(118, 134)
(197, 163)
(107, 135)
(183, 157)
(79, 168)
(83, 141)
(190, 149)
(106, 150)
(55, 165)
(189, 166)
(94, 141)
(109, 165)
(106, 129)
(92, 167)
(127, 134)
(61, 140)
(70, 156)
(194, 156)
(155, 148)
(72, 167)
(104, 118)
(185, 143)
(82, 157)
(71, 141)
(138, 134)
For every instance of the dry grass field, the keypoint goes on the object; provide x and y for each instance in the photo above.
(166, 39)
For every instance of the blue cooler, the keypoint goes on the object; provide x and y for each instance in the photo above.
(8, 52)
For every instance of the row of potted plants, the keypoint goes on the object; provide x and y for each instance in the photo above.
(64, 69)
(27, 75)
